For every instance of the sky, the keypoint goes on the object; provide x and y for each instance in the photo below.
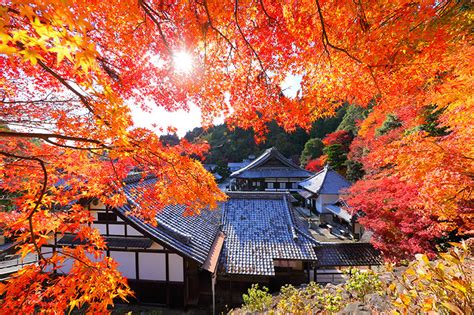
(184, 121)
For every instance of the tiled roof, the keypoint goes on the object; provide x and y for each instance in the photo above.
(327, 181)
(274, 172)
(260, 227)
(191, 236)
(305, 194)
(340, 212)
(347, 254)
(112, 241)
(237, 165)
(257, 168)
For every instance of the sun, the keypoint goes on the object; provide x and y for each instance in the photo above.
(183, 62)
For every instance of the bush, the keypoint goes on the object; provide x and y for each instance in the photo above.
(441, 286)
(257, 300)
(363, 282)
(311, 299)
(355, 170)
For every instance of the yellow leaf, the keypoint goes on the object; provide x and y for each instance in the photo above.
(405, 299)
(61, 52)
(7, 50)
(31, 56)
(460, 286)
(452, 307)
(427, 304)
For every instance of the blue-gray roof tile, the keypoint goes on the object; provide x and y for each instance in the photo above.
(259, 167)
(261, 228)
(327, 181)
(190, 235)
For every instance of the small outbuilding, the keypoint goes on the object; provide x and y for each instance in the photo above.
(323, 192)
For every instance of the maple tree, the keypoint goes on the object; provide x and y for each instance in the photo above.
(342, 137)
(70, 69)
(316, 165)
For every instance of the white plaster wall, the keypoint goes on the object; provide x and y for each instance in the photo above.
(156, 246)
(92, 257)
(47, 253)
(126, 261)
(116, 229)
(152, 266)
(101, 227)
(94, 214)
(175, 268)
(133, 232)
(67, 265)
(323, 199)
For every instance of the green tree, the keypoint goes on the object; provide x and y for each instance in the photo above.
(336, 156)
(431, 125)
(391, 122)
(353, 115)
(322, 127)
(355, 170)
(312, 149)
(257, 300)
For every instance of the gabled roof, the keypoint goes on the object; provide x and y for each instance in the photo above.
(260, 228)
(327, 181)
(192, 236)
(258, 169)
(238, 165)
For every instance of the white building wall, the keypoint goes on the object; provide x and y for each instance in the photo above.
(152, 266)
(175, 268)
(126, 261)
(133, 232)
(116, 229)
(324, 199)
(101, 227)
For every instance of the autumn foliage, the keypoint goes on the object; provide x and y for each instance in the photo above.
(70, 70)
(316, 165)
(342, 137)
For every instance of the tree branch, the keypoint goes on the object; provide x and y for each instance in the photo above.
(47, 137)
(39, 199)
(236, 8)
(206, 8)
(149, 12)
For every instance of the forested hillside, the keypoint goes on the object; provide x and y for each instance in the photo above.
(235, 145)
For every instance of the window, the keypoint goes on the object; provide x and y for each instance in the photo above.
(270, 185)
(106, 216)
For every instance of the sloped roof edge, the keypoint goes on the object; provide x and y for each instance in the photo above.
(314, 184)
(268, 154)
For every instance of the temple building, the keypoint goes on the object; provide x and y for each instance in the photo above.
(253, 237)
(271, 171)
(323, 192)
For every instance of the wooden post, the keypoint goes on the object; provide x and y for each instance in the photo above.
(213, 285)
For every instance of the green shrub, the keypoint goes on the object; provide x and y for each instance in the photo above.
(312, 299)
(257, 300)
(363, 282)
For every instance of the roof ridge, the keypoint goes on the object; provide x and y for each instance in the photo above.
(273, 151)
(291, 223)
(184, 237)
